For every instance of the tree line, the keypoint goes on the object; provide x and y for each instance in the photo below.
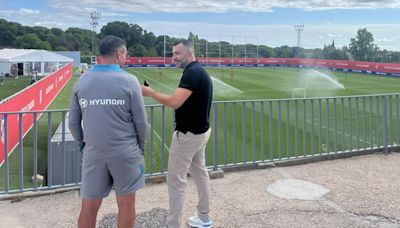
(141, 42)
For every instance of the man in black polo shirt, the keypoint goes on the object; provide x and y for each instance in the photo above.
(192, 102)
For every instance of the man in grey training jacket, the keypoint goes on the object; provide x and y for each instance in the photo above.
(108, 119)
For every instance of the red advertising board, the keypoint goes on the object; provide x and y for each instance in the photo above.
(337, 64)
(36, 97)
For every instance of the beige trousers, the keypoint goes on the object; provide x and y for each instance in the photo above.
(187, 153)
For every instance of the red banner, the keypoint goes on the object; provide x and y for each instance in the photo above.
(36, 97)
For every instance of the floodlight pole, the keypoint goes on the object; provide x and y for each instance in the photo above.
(299, 29)
(232, 52)
(206, 51)
(219, 50)
(165, 49)
(245, 51)
(94, 15)
(257, 53)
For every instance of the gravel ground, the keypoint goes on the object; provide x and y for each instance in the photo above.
(364, 191)
(154, 218)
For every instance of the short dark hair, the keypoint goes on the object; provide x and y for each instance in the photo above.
(110, 44)
(185, 43)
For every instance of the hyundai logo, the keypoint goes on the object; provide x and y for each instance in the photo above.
(83, 103)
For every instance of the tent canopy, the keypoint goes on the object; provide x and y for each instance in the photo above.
(30, 55)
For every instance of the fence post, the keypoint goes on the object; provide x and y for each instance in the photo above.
(384, 121)
(215, 130)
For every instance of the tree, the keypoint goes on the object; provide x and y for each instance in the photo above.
(45, 46)
(144, 43)
(6, 38)
(135, 35)
(344, 53)
(299, 52)
(362, 47)
(41, 32)
(284, 52)
(329, 51)
(116, 28)
(53, 40)
(316, 53)
(160, 45)
(193, 38)
(69, 42)
(149, 39)
(137, 50)
(60, 48)
(151, 52)
(7, 34)
(56, 31)
(266, 52)
(28, 41)
(132, 33)
(82, 38)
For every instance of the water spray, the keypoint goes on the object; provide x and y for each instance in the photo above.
(329, 78)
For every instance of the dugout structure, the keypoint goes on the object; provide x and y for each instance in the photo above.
(65, 158)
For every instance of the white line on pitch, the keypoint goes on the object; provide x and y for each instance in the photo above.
(340, 132)
(153, 80)
(159, 138)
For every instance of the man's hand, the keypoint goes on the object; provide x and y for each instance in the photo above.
(147, 91)
(81, 145)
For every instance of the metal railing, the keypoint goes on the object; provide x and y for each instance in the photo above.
(244, 132)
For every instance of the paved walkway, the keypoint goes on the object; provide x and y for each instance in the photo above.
(362, 191)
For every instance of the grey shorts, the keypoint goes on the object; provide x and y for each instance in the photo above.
(98, 177)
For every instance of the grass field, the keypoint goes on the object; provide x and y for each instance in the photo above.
(12, 85)
(269, 83)
(247, 131)
(60, 102)
(263, 129)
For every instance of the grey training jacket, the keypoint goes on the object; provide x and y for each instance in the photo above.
(107, 113)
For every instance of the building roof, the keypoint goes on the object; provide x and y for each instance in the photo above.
(31, 55)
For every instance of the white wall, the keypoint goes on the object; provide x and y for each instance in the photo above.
(75, 55)
(5, 67)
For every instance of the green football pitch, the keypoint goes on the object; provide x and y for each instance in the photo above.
(255, 83)
(278, 83)
(249, 131)
(244, 131)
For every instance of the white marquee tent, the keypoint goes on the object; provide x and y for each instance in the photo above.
(29, 61)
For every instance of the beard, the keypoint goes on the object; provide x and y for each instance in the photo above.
(181, 64)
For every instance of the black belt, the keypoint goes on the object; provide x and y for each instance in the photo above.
(184, 132)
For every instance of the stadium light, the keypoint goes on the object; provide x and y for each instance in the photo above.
(95, 15)
(299, 29)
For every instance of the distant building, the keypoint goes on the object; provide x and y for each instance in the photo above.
(28, 61)
(75, 55)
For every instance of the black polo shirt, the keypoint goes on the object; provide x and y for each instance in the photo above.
(194, 114)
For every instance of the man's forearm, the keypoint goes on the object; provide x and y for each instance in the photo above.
(173, 101)
(164, 99)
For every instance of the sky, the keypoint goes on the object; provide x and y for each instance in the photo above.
(266, 22)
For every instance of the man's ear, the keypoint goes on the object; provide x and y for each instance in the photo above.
(117, 53)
